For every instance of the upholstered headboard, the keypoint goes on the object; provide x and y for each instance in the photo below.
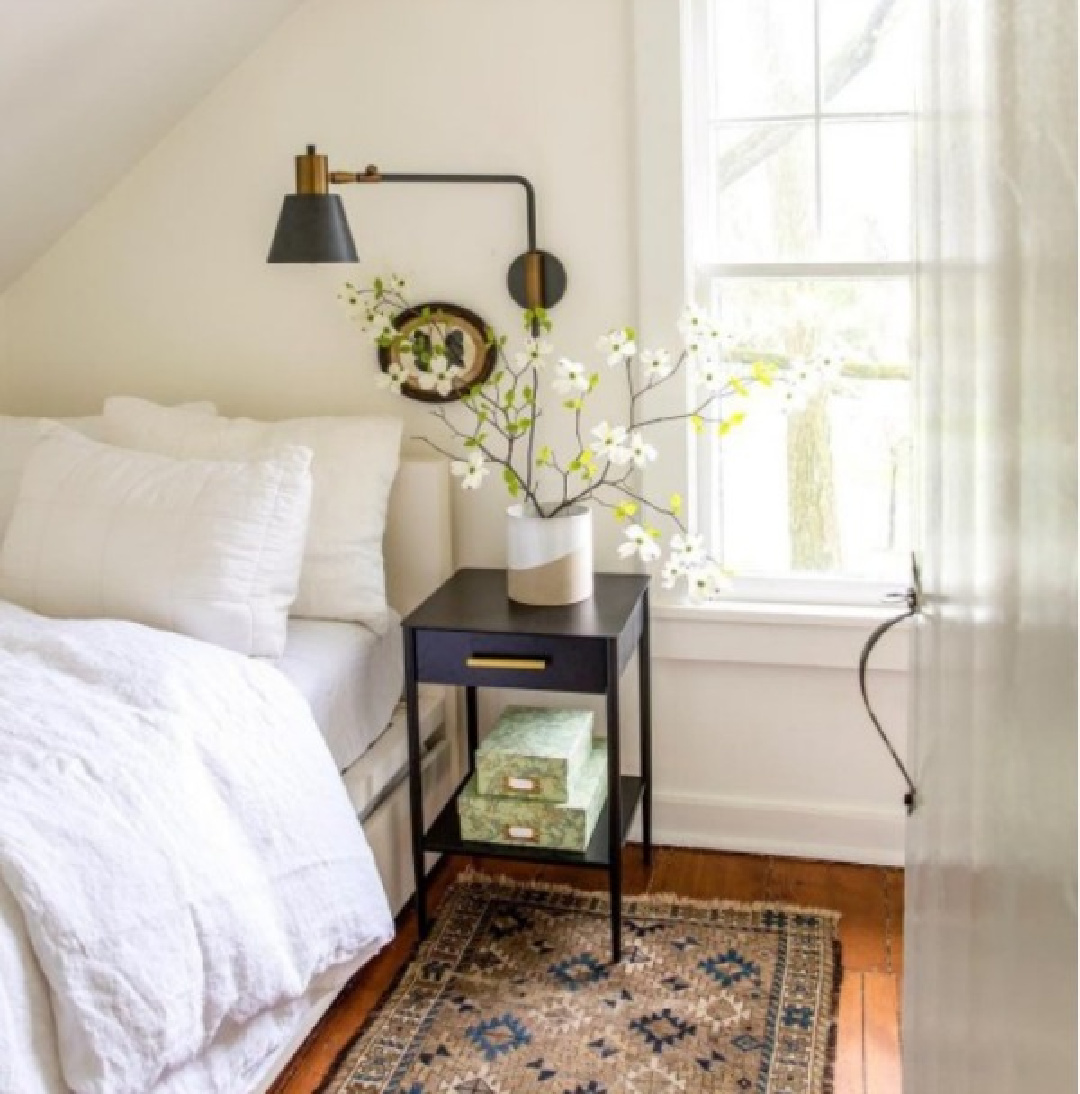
(418, 546)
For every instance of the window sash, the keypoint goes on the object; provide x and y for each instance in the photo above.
(705, 468)
(706, 472)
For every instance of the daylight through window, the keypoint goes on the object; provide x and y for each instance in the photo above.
(800, 237)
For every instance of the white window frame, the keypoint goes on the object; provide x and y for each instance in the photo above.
(705, 476)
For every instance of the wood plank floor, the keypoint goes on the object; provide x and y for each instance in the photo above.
(870, 899)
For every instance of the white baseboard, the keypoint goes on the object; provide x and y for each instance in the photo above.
(793, 829)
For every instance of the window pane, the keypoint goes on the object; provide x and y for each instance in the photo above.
(868, 54)
(866, 191)
(762, 193)
(823, 488)
(761, 57)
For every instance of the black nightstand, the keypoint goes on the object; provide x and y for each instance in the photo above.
(469, 633)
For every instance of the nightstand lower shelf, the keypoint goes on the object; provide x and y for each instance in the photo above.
(445, 835)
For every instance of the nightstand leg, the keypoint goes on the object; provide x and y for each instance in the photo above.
(416, 789)
(615, 827)
(472, 725)
(645, 704)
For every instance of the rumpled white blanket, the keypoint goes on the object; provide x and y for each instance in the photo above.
(178, 843)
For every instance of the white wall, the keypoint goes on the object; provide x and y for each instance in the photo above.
(162, 290)
(87, 88)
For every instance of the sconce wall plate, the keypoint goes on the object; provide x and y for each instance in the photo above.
(536, 276)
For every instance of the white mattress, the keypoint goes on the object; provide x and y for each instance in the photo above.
(383, 766)
(351, 677)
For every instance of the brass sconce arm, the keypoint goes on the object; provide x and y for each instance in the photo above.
(317, 231)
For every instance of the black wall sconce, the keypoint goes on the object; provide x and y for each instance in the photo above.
(312, 226)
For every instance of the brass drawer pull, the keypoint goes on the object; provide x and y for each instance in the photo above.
(521, 833)
(527, 664)
(519, 784)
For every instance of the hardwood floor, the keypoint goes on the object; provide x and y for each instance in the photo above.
(870, 899)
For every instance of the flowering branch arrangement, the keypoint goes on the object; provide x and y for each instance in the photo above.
(504, 417)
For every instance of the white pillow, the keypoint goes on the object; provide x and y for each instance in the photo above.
(208, 549)
(353, 463)
(19, 435)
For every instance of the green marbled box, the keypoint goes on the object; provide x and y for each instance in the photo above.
(534, 753)
(565, 826)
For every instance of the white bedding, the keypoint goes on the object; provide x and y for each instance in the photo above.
(179, 863)
(350, 676)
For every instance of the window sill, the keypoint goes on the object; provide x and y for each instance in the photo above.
(754, 633)
(777, 612)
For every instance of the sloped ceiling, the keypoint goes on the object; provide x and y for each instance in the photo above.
(87, 87)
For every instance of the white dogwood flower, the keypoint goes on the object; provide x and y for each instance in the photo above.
(827, 365)
(471, 471)
(711, 375)
(656, 364)
(393, 377)
(570, 377)
(687, 550)
(706, 581)
(439, 376)
(534, 353)
(670, 573)
(641, 452)
(610, 443)
(694, 324)
(640, 543)
(619, 345)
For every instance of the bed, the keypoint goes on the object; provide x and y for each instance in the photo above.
(416, 565)
(319, 669)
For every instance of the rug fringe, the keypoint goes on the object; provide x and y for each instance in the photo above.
(470, 875)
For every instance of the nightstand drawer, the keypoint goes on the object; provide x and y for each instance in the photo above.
(513, 661)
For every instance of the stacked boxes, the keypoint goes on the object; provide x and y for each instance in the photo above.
(540, 781)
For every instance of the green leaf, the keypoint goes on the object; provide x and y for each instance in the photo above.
(572, 404)
(625, 510)
(697, 422)
(378, 288)
(511, 481)
(739, 386)
(763, 372)
(594, 380)
(675, 503)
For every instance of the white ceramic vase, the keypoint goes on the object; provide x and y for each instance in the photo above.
(549, 559)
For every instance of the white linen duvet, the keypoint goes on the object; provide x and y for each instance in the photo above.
(179, 862)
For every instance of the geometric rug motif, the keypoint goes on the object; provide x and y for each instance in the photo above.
(514, 993)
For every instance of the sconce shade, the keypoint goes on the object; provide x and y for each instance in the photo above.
(312, 228)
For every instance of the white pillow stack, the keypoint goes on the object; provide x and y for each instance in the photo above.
(212, 527)
(19, 435)
(206, 548)
(354, 461)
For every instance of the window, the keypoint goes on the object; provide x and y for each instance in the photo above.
(800, 197)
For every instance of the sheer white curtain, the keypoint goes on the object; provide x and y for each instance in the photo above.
(990, 1003)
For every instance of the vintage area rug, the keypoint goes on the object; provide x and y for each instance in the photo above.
(513, 992)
